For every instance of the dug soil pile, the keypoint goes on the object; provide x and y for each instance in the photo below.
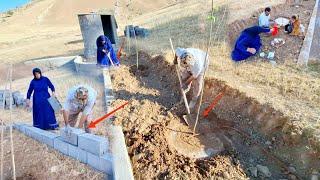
(160, 144)
(147, 123)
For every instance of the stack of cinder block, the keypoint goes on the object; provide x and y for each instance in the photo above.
(132, 31)
(16, 99)
(5, 99)
(19, 99)
(87, 148)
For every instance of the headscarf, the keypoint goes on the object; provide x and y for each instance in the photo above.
(255, 30)
(80, 93)
(186, 58)
(100, 40)
(36, 70)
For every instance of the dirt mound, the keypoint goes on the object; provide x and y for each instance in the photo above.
(146, 123)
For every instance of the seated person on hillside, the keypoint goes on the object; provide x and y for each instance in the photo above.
(293, 28)
(106, 56)
(249, 43)
(264, 18)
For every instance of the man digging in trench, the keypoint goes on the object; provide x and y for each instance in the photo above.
(79, 99)
(192, 71)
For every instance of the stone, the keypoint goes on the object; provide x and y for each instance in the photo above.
(253, 171)
(315, 175)
(264, 170)
(54, 169)
(292, 169)
(268, 143)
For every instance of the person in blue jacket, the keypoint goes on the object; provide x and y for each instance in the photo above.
(105, 52)
(43, 114)
(249, 43)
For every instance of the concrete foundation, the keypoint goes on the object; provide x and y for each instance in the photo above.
(311, 41)
(103, 162)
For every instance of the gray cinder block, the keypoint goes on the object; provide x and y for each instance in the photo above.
(103, 163)
(94, 144)
(48, 138)
(71, 137)
(77, 153)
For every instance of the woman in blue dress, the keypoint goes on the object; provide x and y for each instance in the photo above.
(43, 114)
(104, 47)
(249, 43)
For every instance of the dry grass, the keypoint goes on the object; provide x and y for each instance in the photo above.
(36, 161)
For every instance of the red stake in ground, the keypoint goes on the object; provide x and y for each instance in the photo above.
(213, 104)
(95, 122)
(120, 50)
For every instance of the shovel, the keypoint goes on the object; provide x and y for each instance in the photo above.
(187, 116)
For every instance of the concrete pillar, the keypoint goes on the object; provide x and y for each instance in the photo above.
(91, 29)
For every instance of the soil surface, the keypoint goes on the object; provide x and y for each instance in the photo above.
(161, 145)
(34, 161)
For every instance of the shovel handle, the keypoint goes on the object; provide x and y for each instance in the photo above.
(180, 81)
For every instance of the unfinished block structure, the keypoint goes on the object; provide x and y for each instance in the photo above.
(87, 148)
(310, 49)
(92, 26)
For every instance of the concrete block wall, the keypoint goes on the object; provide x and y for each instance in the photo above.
(122, 168)
(307, 43)
(72, 135)
(51, 62)
(93, 144)
(85, 67)
(108, 93)
(86, 148)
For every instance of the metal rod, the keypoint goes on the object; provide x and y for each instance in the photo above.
(206, 61)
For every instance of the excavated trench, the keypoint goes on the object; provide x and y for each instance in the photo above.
(254, 133)
(237, 136)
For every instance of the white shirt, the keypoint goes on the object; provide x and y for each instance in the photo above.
(264, 20)
(73, 105)
(200, 57)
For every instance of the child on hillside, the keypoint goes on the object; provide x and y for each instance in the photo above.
(293, 28)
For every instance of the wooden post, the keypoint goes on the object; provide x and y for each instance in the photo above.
(11, 135)
(180, 81)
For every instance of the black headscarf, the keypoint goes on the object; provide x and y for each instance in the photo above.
(100, 40)
(255, 30)
(36, 70)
